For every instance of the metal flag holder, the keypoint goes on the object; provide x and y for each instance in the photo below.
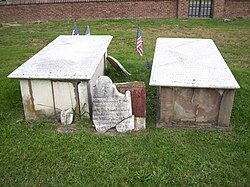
(147, 63)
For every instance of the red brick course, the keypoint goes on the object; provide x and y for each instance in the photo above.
(237, 8)
(103, 9)
(138, 95)
(90, 10)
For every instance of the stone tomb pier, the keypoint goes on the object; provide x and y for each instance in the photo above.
(61, 76)
(195, 86)
(138, 96)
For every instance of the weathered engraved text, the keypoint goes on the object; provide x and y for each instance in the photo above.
(111, 108)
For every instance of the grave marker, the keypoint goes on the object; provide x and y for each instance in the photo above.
(111, 108)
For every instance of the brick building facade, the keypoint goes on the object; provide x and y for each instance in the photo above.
(102, 9)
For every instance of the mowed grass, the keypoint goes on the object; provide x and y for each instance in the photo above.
(35, 154)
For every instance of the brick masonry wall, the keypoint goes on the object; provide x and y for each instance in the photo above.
(183, 6)
(90, 10)
(101, 9)
(218, 8)
(237, 8)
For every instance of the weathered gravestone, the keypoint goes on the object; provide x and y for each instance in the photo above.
(111, 108)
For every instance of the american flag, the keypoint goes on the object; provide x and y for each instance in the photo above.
(87, 31)
(139, 42)
(75, 30)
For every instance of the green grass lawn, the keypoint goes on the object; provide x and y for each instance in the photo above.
(35, 154)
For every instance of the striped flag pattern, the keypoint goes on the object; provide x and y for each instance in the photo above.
(75, 30)
(139, 42)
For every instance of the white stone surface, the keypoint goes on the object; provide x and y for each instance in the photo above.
(27, 100)
(37, 103)
(140, 123)
(66, 116)
(183, 62)
(83, 99)
(126, 125)
(64, 95)
(111, 108)
(42, 97)
(46, 98)
(67, 57)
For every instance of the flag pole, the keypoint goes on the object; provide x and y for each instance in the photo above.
(147, 63)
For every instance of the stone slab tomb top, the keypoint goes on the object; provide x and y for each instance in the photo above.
(66, 57)
(183, 62)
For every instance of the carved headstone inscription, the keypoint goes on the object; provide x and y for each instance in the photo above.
(111, 108)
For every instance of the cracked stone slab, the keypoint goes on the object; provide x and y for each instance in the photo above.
(189, 62)
(110, 107)
(66, 116)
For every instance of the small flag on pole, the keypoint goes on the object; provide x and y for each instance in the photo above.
(87, 31)
(75, 30)
(139, 42)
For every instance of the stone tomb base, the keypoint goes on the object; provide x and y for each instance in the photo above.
(138, 96)
(199, 108)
